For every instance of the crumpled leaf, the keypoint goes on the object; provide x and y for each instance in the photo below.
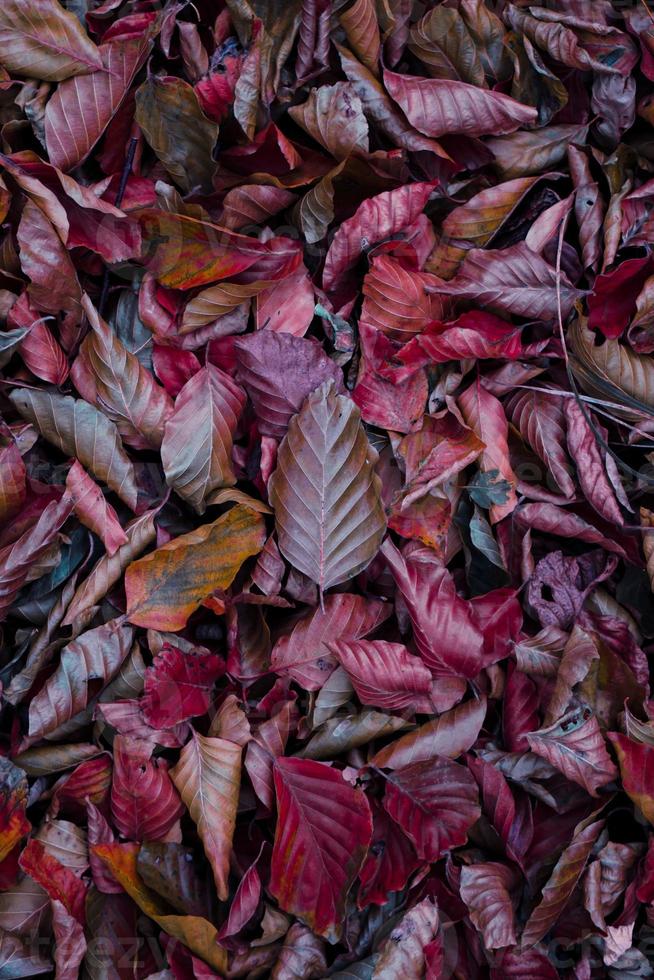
(575, 746)
(280, 371)
(165, 587)
(333, 116)
(485, 888)
(435, 803)
(405, 951)
(163, 105)
(305, 652)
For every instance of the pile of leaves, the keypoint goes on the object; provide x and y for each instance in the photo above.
(326, 489)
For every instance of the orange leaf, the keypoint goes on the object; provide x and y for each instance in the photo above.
(192, 930)
(165, 587)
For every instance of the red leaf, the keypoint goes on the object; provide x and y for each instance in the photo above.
(395, 299)
(385, 675)
(144, 803)
(93, 509)
(59, 882)
(448, 639)
(391, 860)
(305, 652)
(375, 220)
(244, 904)
(478, 335)
(438, 106)
(435, 803)
(511, 280)
(485, 416)
(178, 685)
(323, 831)
(43, 355)
(636, 761)
(612, 302)
(575, 745)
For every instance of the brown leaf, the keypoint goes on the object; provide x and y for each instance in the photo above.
(43, 40)
(208, 777)
(333, 116)
(360, 23)
(443, 43)
(168, 112)
(78, 429)
(81, 108)
(534, 151)
(561, 883)
(140, 533)
(380, 108)
(195, 932)
(196, 452)
(612, 371)
(325, 493)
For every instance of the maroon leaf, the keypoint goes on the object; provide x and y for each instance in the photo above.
(511, 280)
(561, 883)
(93, 510)
(391, 860)
(178, 685)
(592, 463)
(385, 674)
(451, 734)
(209, 406)
(305, 652)
(636, 760)
(440, 618)
(16, 559)
(323, 831)
(485, 888)
(144, 802)
(279, 372)
(375, 220)
(575, 746)
(435, 803)
(438, 106)
(82, 107)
